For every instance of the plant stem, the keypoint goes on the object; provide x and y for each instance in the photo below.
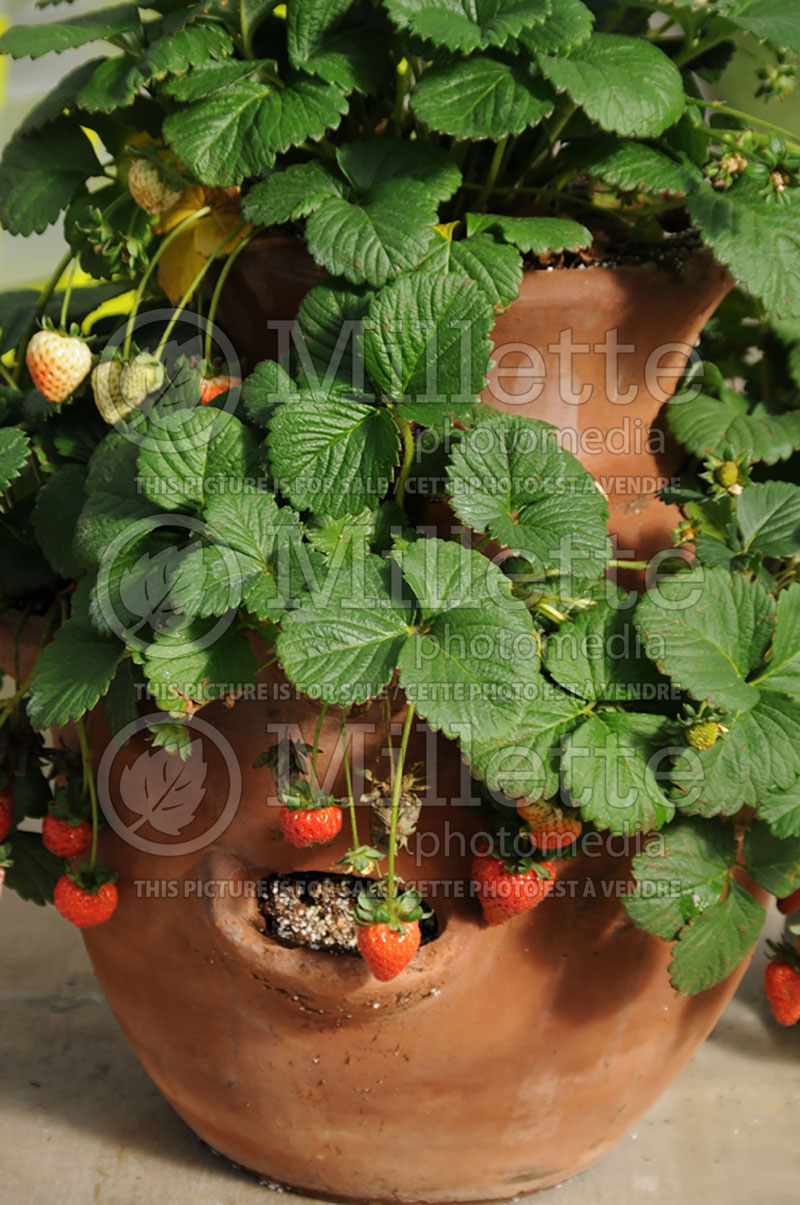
(694, 52)
(719, 107)
(62, 322)
(391, 890)
(351, 803)
(89, 784)
(215, 296)
(315, 747)
(44, 297)
(494, 172)
(139, 294)
(196, 281)
(407, 434)
(622, 564)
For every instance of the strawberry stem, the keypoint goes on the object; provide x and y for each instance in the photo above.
(315, 746)
(89, 785)
(62, 322)
(407, 434)
(218, 287)
(391, 887)
(196, 281)
(351, 803)
(41, 305)
(203, 212)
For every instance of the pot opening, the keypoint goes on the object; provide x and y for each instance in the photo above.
(314, 909)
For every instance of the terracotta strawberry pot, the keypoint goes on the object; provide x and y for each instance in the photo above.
(502, 1060)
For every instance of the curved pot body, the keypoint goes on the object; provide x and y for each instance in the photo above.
(502, 1060)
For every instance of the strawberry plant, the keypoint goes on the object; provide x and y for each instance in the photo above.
(165, 509)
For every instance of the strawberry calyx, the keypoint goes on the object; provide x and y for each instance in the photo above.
(373, 907)
(91, 878)
(6, 861)
(361, 860)
(786, 953)
(303, 797)
(74, 814)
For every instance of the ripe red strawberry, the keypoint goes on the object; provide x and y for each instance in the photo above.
(66, 838)
(211, 387)
(6, 814)
(507, 887)
(782, 985)
(388, 949)
(549, 826)
(790, 903)
(57, 363)
(84, 906)
(149, 191)
(310, 826)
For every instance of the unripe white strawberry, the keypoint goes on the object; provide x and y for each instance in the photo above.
(57, 363)
(149, 191)
(140, 377)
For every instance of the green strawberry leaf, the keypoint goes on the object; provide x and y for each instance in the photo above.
(113, 499)
(462, 25)
(759, 243)
(710, 426)
(343, 644)
(183, 664)
(525, 761)
(773, 861)
(256, 559)
(333, 456)
(714, 944)
(371, 160)
(473, 658)
(72, 674)
(244, 119)
(120, 704)
(116, 82)
(781, 811)
(760, 753)
(783, 659)
(32, 41)
(387, 233)
(770, 20)
(34, 871)
(14, 451)
(295, 192)
(532, 236)
(509, 477)
(59, 503)
(707, 631)
(646, 95)
(481, 97)
(567, 26)
(267, 387)
(40, 173)
(769, 518)
(634, 167)
(680, 874)
(308, 23)
(495, 268)
(613, 765)
(427, 345)
(598, 656)
(187, 455)
(330, 324)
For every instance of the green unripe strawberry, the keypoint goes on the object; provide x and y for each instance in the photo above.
(727, 474)
(703, 734)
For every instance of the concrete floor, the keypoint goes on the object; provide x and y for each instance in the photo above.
(80, 1121)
